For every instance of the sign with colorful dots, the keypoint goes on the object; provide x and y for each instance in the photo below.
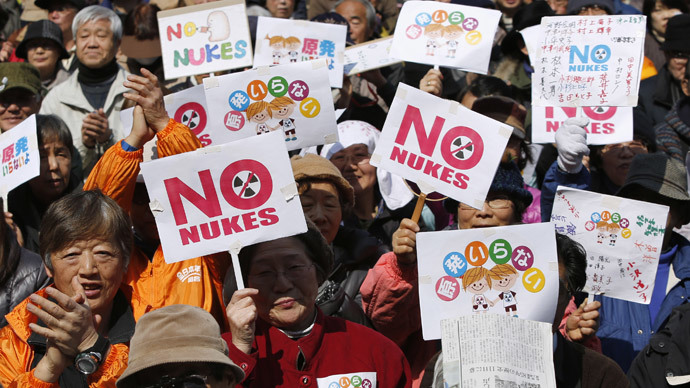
(283, 41)
(293, 99)
(445, 34)
(622, 238)
(501, 270)
(348, 380)
(20, 156)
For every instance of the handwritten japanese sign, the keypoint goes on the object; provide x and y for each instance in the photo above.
(20, 156)
(501, 270)
(589, 61)
(204, 38)
(237, 193)
(281, 41)
(622, 238)
(607, 125)
(292, 99)
(445, 34)
(370, 55)
(441, 145)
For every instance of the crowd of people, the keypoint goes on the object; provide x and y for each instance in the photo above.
(87, 298)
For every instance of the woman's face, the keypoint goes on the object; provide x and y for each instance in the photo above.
(53, 179)
(353, 163)
(286, 279)
(660, 15)
(321, 203)
(616, 159)
(43, 54)
(498, 210)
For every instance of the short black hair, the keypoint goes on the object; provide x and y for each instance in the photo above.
(573, 257)
(486, 85)
(52, 128)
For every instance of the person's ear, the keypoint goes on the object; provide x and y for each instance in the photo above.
(48, 271)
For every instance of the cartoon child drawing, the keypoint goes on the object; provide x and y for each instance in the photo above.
(259, 112)
(218, 26)
(602, 231)
(433, 32)
(613, 230)
(451, 33)
(477, 281)
(277, 43)
(293, 44)
(503, 278)
(281, 108)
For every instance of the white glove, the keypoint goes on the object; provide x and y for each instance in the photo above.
(571, 142)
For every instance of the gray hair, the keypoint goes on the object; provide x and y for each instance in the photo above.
(94, 13)
(371, 12)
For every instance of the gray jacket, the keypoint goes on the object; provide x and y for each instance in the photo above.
(29, 277)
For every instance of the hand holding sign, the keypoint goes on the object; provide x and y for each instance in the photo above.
(241, 313)
(405, 241)
(571, 143)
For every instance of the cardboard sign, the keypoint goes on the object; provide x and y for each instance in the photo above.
(204, 38)
(225, 196)
(294, 100)
(607, 124)
(589, 61)
(500, 270)
(446, 35)
(622, 237)
(370, 55)
(282, 41)
(21, 159)
(441, 145)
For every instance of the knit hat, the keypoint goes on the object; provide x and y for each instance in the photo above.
(45, 4)
(574, 6)
(505, 110)
(506, 180)
(19, 75)
(659, 173)
(176, 334)
(313, 166)
(677, 32)
(42, 29)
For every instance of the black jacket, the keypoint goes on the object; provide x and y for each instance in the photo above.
(29, 276)
(657, 96)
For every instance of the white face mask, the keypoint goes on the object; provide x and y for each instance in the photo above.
(145, 61)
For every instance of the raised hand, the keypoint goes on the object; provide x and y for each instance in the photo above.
(241, 313)
(405, 241)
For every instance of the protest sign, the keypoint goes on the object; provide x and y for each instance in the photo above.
(204, 38)
(622, 238)
(532, 36)
(451, 149)
(500, 270)
(370, 55)
(225, 196)
(21, 159)
(489, 350)
(445, 34)
(282, 41)
(292, 99)
(607, 125)
(589, 60)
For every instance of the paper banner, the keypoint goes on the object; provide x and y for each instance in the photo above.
(622, 238)
(441, 145)
(21, 159)
(224, 196)
(294, 100)
(204, 38)
(283, 41)
(589, 61)
(607, 124)
(370, 55)
(445, 34)
(501, 270)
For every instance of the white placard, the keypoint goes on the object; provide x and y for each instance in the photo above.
(441, 145)
(370, 55)
(283, 41)
(532, 36)
(607, 124)
(294, 100)
(501, 270)
(445, 34)
(622, 238)
(21, 159)
(589, 60)
(204, 38)
(224, 196)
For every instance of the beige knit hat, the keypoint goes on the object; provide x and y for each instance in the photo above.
(176, 334)
(313, 166)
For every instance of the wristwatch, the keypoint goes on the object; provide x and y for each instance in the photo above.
(90, 359)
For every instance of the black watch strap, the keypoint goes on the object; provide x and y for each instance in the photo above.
(90, 359)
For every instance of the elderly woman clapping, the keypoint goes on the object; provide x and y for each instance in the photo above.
(75, 332)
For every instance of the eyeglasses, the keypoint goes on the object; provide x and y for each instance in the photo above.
(343, 160)
(679, 55)
(636, 147)
(293, 273)
(191, 381)
(19, 97)
(496, 203)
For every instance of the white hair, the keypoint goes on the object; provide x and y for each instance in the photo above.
(97, 12)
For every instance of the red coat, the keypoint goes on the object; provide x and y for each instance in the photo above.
(335, 349)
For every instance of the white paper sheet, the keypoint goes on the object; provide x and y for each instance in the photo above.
(370, 55)
(607, 125)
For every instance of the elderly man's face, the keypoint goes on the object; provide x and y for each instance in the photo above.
(16, 104)
(356, 15)
(95, 44)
